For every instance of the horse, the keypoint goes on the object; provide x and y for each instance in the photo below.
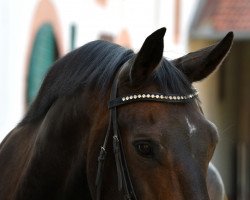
(109, 123)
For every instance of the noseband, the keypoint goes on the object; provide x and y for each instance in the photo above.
(124, 180)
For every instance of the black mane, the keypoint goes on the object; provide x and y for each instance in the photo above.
(171, 80)
(96, 61)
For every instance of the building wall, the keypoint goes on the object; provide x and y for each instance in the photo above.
(15, 20)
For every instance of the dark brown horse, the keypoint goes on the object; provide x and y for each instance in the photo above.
(158, 144)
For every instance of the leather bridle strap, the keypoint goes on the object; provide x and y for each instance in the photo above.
(101, 162)
(124, 181)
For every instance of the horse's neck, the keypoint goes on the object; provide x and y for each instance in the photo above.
(50, 159)
(57, 161)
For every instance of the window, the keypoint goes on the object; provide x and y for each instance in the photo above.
(44, 53)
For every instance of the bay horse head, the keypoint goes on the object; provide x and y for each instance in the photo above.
(111, 124)
(166, 140)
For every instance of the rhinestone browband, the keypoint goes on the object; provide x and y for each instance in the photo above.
(152, 97)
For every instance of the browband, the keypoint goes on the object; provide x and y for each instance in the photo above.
(152, 97)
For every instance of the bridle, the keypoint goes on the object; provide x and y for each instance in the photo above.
(124, 180)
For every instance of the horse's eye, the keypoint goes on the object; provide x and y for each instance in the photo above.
(144, 148)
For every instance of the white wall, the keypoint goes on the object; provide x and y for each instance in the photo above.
(15, 19)
(140, 17)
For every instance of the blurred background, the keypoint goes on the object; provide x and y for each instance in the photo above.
(34, 33)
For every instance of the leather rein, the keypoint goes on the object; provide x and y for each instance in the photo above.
(124, 180)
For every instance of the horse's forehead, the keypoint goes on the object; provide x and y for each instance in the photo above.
(169, 125)
(162, 115)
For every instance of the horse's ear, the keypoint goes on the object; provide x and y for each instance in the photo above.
(148, 57)
(198, 65)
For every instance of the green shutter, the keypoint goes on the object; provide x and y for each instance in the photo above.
(44, 53)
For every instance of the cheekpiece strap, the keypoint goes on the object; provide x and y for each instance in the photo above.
(152, 97)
